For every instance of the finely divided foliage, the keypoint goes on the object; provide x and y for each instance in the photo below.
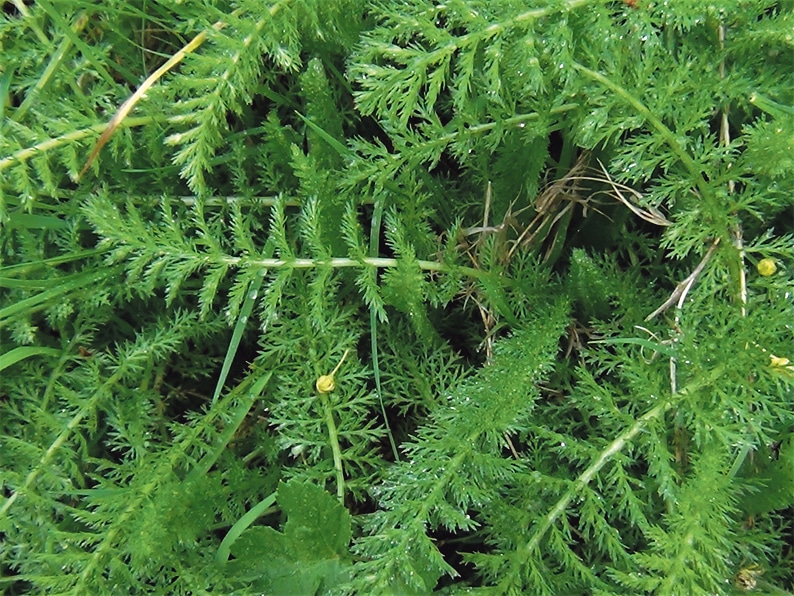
(379, 297)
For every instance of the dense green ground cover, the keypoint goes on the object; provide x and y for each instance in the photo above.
(318, 296)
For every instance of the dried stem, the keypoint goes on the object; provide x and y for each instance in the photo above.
(682, 289)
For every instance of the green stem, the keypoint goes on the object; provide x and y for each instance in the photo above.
(515, 121)
(333, 439)
(584, 479)
(773, 108)
(526, 552)
(667, 134)
(342, 262)
(71, 137)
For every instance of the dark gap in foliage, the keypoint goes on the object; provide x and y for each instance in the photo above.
(11, 11)
(454, 547)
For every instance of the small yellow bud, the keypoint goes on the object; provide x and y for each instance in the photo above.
(325, 384)
(776, 361)
(766, 267)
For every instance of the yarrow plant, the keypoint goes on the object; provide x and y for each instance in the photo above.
(376, 297)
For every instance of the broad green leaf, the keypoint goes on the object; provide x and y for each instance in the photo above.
(308, 557)
(773, 470)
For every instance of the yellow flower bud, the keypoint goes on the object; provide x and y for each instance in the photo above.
(325, 384)
(776, 361)
(766, 267)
